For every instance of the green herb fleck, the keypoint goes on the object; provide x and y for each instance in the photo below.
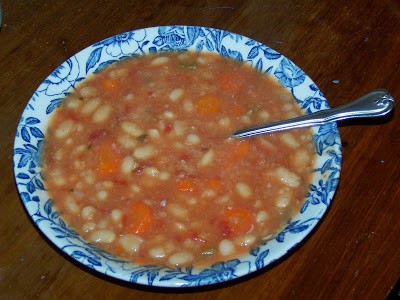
(204, 148)
(209, 251)
(254, 107)
(142, 137)
(187, 65)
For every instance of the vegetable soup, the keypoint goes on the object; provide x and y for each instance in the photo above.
(140, 161)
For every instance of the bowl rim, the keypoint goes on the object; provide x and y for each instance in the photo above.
(171, 38)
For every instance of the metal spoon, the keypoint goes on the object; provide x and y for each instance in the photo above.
(374, 104)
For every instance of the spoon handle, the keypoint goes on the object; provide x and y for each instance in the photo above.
(374, 104)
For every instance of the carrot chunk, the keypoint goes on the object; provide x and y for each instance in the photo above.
(140, 218)
(109, 160)
(110, 84)
(237, 110)
(215, 184)
(186, 185)
(237, 220)
(208, 105)
(239, 151)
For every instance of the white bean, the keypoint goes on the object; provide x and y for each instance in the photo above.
(104, 236)
(226, 247)
(130, 243)
(154, 133)
(208, 193)
(201, 60)
(179, 128)
(244, 190)
(224, 122)
(103, 224)
(284, 198)
(180, 258)
(89, 226)
(144, 152)
(245, 120)
(151, 171)
(159, 61)
(89, 178)
(176, 94)
(180, 226)
(223, 199)
(291, 114)
(287, 106)
(301, 159)
(71, 204)
(90, 106)
(88, 212)
(79, 149)
(266, 144)
(64, 129)
(287, 177)
(157, 252)
(189, 243)
(192, 201)
(282, 201)
(59, 180)
(264, 115)
(118, 73)
(177, 211)
(247, 240)
(79, 165)
(289, 139)
(192, 139)
(73, 103)
(164, 175)
(88, 91)
(131, 128)
(102, 114)
(108, 184)
(126, 141)
(169, 115)
(116, 215)
(262, 216)
(188, 105)
(102, 195)
(128, 165)
(258, 203)
(179, 146)
(207, 158)
(129, 97)
(59, 154)
(135, 188)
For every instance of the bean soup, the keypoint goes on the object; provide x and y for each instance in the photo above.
(139, 159)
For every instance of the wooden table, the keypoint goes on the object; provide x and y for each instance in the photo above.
(347, 47)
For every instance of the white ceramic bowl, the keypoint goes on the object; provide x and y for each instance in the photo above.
(32, 128)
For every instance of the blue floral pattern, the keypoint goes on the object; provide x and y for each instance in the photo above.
(31, 134)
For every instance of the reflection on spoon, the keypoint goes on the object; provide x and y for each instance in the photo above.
(374, 104)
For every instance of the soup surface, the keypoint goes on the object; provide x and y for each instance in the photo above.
(139, 159)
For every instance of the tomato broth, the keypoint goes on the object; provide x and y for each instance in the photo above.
(140, 161)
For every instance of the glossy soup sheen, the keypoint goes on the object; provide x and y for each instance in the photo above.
(139, 159)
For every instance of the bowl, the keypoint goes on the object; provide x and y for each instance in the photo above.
(35, 118)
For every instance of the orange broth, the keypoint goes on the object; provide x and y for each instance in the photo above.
(139, 159)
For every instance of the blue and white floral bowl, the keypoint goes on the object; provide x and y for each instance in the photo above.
(31, 134)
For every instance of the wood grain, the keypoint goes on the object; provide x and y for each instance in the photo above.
(347, 47)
